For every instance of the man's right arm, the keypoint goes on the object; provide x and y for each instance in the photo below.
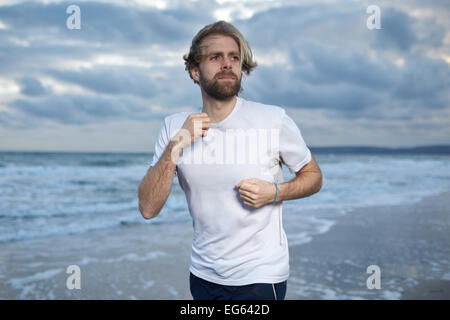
(155, 187)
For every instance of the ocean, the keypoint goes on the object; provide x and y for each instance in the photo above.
(58, 193)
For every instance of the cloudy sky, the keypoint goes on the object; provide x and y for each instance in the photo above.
(108, 85)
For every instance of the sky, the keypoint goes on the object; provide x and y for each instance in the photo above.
(108, 85)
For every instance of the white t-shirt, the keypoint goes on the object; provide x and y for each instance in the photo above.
(235, 244)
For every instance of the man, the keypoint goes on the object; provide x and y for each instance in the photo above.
(233, 189)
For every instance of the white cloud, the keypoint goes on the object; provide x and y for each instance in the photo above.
(3, 26)
(8, 87)
(272, 57)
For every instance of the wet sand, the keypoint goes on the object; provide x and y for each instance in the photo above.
(130, 262)
(409, 243)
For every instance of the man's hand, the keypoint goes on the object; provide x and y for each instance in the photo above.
(196, 125)
(255, 192)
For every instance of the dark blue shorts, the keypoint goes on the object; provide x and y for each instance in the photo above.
(205, 290)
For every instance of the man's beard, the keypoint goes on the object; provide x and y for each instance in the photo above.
(221, 90)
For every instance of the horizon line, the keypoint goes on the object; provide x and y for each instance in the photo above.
(443, 146)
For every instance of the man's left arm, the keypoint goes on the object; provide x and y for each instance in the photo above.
(308, 180)
(256, 193)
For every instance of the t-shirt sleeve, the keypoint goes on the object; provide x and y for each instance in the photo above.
(294, 152)
(162, 141)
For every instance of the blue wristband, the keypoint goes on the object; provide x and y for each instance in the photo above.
(276, 192)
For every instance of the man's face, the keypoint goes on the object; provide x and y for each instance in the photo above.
(220, 73)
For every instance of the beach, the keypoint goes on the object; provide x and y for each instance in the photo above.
(409, 244)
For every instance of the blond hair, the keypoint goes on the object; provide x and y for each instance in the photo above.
(194, 57)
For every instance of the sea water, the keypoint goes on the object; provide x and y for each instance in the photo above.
(57, 193)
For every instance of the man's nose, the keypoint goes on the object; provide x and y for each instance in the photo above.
(226, 63)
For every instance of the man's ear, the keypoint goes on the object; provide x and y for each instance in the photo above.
(195, 74)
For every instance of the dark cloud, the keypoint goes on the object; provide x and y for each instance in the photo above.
(31, 86)
(334, 65)
(112, 80)
(424, 82)
(83, 109)
(289, 25)
(294, 92)
(353, 84)
(169, 84)
(397, 31)
(102, 22)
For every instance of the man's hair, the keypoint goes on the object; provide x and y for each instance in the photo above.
(194, 57)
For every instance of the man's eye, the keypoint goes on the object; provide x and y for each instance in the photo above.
(214, 58)
(237, 58)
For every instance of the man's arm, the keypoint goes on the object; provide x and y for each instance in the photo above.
(308, 181)
(155, 187)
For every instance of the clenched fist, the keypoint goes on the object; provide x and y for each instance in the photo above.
(196, 124)
(255, 192)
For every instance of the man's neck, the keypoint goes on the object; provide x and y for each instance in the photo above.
(218, 110)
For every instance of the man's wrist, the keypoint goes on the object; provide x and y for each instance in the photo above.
(175, 149)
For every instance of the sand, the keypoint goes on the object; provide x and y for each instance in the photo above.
(130, 262)
(409, 243)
